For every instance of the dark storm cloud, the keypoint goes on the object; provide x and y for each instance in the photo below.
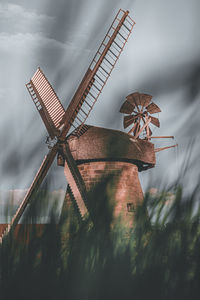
(194, 81)
(69, 17)
(185, 76)
(66, 13)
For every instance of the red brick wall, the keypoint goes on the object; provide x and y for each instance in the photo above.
(124, 189)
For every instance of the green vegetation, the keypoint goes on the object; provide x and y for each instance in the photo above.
(157, 259)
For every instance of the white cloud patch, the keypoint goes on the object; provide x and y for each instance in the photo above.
(25, 31)
(15, 18)
(28, 43)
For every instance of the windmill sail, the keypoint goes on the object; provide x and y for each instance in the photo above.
(46, 102)
(75, 181)
(98, 72)
(41, 173)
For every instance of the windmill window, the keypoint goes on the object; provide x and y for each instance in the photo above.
(130, 207)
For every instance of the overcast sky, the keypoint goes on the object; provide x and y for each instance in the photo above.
(161, 58)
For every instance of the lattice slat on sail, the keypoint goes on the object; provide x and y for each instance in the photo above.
(46, 102)
(99, 71)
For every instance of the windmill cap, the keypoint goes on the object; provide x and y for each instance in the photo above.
(101, 144)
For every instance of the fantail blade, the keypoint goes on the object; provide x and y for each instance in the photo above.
(134, 98)
(127, 108)
(155, 121)
(128, 120)
(152, 108)
(139, 99)
(145, 99)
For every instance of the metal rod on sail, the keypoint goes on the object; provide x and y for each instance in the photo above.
(163, 148)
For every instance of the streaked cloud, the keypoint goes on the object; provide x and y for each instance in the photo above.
(25, 32)
(21, 41)
(21, 20)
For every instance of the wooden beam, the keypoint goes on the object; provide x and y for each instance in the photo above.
(163, 137)
(163, 148)
(143, 127)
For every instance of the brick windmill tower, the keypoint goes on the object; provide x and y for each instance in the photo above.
(112, 157)
(59, 123)
(102, 154)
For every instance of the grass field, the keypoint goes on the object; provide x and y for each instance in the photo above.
(157, 259)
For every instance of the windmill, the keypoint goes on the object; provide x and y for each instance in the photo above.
(103, 153)
(59, 122)
(138, 109)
